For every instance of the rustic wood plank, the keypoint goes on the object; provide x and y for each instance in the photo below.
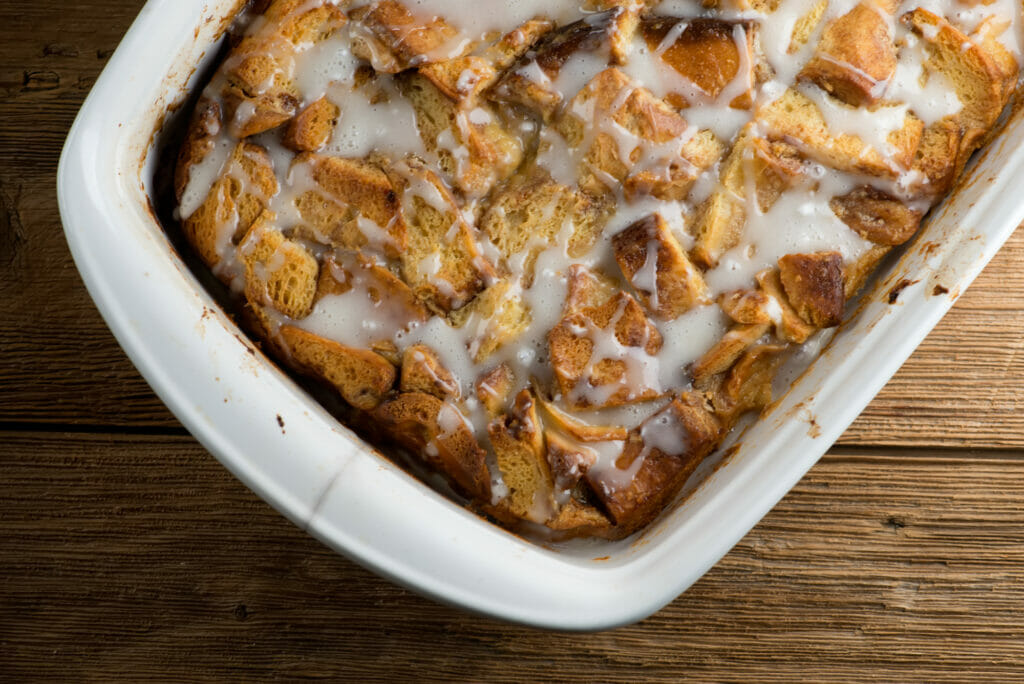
(60, 364)
(140, 556)
(964, 386)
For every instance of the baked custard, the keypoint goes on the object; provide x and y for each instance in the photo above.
(554, 250)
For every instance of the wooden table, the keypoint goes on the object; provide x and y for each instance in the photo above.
(126, 550)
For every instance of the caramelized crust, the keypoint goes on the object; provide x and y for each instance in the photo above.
(660, 473)
(437, 432)
(877, 216)
(855, 57)
(814, 285)
(361, 377)
(709, 53)
(655, 265)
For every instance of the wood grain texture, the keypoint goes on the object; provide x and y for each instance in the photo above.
(141, 556)
(127, 552)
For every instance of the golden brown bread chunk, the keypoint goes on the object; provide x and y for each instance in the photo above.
(532, 210)
(628, 135)
(805, 25)
(494, 389)
(422, 371)
(855, 57)
(980, 79)
(258, 91)
(789, 325)
(656, 266)
(856, 272)
(464, 79)
(235, 201)
(355, 204)
(726, 351)
(877, 216)
(577, 429)
(393, 38)
(361, 377)
(773, 165)
(795, 116)
(814, 285)
(530, 82)
(278, 272)
(437, 432)
(748, 384)
(312, 128)
(497, 316)
(747, 307)
(518, 442)
(441, 260)
(569, 459)
(669, 445)
(474, 150)
(707, 53)
(599, 350)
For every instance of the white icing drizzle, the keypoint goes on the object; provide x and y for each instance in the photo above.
(375, 119)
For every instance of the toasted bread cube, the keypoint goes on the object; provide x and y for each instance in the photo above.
(393, 38)
(616, 117)
(726, 351)
(656, 266)
(977, 77)
(789, 325)
(474, 151)
(601, 354)
(530, 213)
(747, 307)
(815, 287)
(437, 432)
(313, 127)
(855, 57)
(587, 288)
(361, 377)
(422, 371)
(258, 92)
(857, 271)
(797, 117)
(278, 272)
(532, 81)
(569, 459)
(748, 385)
(582, 519)
(355, 204)
(442, 262)
(494, 389)
(498, 316)
(577, 429)
(877, 216)
(938, 161)
(672, 443)
(774, 167)
(233, 204)
(805, 25)
(518, 442)
(464, 79)
(710, 53)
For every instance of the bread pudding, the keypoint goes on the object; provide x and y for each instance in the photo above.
(553, 252)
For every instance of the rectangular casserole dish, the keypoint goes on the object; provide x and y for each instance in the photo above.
(279, 441)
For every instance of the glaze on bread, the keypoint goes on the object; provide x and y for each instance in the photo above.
(556, 250)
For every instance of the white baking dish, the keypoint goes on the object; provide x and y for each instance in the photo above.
(290, 451)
